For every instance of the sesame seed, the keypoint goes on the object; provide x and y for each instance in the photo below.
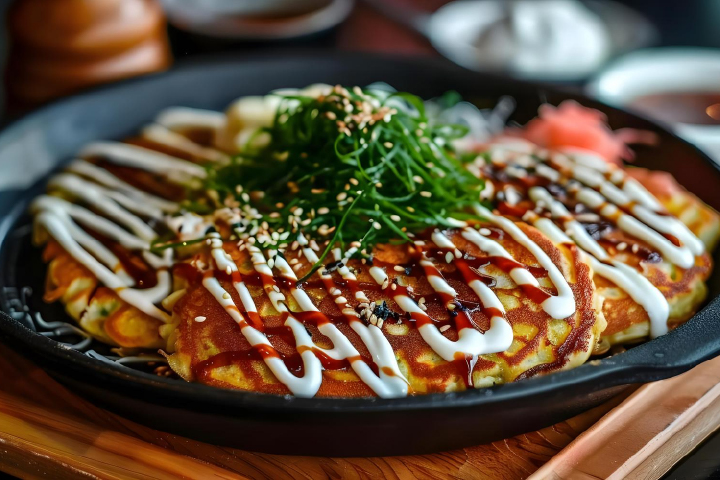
(410, 209)
(398, 268)
(425, 194)
(395, 218)
(621, 246)
(354, 181)
(323, 211)
(448, 257)
(385, 283)
(226, 295)
(228, 270)
(635, 248)
(387, 145)
(421, 303)
(200, 319)
(341, 196)
(377, 226)
(484, 231)
(418, 179)
(378, 185)
(393, 286)
(340, 300)
(444, 328)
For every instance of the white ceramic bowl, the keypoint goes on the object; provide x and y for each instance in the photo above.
(664, 70)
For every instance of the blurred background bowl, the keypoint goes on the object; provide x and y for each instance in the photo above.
(677, 86)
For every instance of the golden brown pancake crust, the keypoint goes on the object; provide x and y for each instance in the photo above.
(214, 352)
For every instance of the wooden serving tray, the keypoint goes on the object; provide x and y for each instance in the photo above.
(47, 431)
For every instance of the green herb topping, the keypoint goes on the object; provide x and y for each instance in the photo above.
(352, 166)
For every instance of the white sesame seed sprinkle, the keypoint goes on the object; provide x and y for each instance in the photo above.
(200, 319)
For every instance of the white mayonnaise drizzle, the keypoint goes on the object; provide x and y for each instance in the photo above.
(631, 281)
(55, 216)
(154, 206)
(309, 383)
(680, 256)
(470, 342)
(177, 118)
(385, 385)
(563, 304)
(591, 171)
(120, 210)
(163, 136)
(174, 169)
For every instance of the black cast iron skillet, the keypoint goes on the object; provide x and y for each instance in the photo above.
(322, 426)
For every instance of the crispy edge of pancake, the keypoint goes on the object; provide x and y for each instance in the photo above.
(584, 289)
(704, 222)
(98, 310)
(588, 324)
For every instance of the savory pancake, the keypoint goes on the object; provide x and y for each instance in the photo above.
(563, 188)
(336, 242)
(210, 348)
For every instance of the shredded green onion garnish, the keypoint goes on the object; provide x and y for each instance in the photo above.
(352, 166)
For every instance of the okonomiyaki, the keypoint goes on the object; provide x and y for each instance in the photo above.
(358, 242)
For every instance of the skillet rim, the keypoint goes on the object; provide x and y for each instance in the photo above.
(647, 362)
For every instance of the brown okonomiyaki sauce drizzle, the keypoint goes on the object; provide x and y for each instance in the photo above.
(462, 312)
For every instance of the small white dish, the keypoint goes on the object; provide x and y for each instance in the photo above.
(585, 35)
(664, 70)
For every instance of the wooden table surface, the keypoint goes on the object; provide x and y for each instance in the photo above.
(47, 431)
